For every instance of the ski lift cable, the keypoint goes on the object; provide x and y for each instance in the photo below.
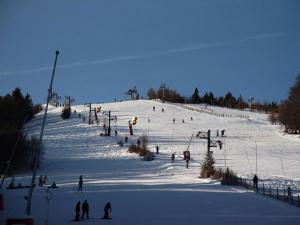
(282, 166)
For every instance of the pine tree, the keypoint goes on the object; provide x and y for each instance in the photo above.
(195, 99)
(207, 167)
(289, 111)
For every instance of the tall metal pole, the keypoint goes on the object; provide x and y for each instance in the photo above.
(37, 155)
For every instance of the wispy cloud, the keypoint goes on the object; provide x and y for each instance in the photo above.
(150, 54)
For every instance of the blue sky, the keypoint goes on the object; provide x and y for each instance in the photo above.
(248, 47)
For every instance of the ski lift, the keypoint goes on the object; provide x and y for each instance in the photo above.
(186, 155)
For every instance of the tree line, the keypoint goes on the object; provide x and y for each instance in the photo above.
(228, 100)
(288, 112)
(15, 111)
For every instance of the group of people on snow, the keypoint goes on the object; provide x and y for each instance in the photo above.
(85, 210)
(85, 206)
(222, 133)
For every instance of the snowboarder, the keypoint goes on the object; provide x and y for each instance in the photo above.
(173, 157)
(85, 210)
(107, 210)
(80, 183)
(126, 139)
(255, 181)
(157, 149)
(77, 210)
(41, 181)
(138, 143)
(223, 133)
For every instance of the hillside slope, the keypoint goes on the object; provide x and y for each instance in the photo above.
(159, 191)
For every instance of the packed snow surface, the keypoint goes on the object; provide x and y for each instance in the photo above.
(159, 191)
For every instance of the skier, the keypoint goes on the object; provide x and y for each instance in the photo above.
(191, 118)
(182, 120)
(173, 157)
(153, 108)
(217, 133)
(77, 210)
(45, 179)
(41, 181)
(163, 110)
(223, 133)
(126, 139)
(85, 210)
(173, 120)
(289, 192)
(80, 183)
(107, 210)
(138, 142)
(116, 133)
(157, 149)
(255, 181)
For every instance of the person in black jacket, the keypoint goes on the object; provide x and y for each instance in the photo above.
(107, 210)
(255, 181)
(77, 210)
(80, 183)
(85, 210)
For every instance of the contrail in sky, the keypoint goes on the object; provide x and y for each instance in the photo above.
(151, 54)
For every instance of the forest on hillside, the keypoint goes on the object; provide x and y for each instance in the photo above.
(16, 110)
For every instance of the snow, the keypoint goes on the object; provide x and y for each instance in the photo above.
(160, 191)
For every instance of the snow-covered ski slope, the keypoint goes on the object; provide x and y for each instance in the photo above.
(160, 191)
